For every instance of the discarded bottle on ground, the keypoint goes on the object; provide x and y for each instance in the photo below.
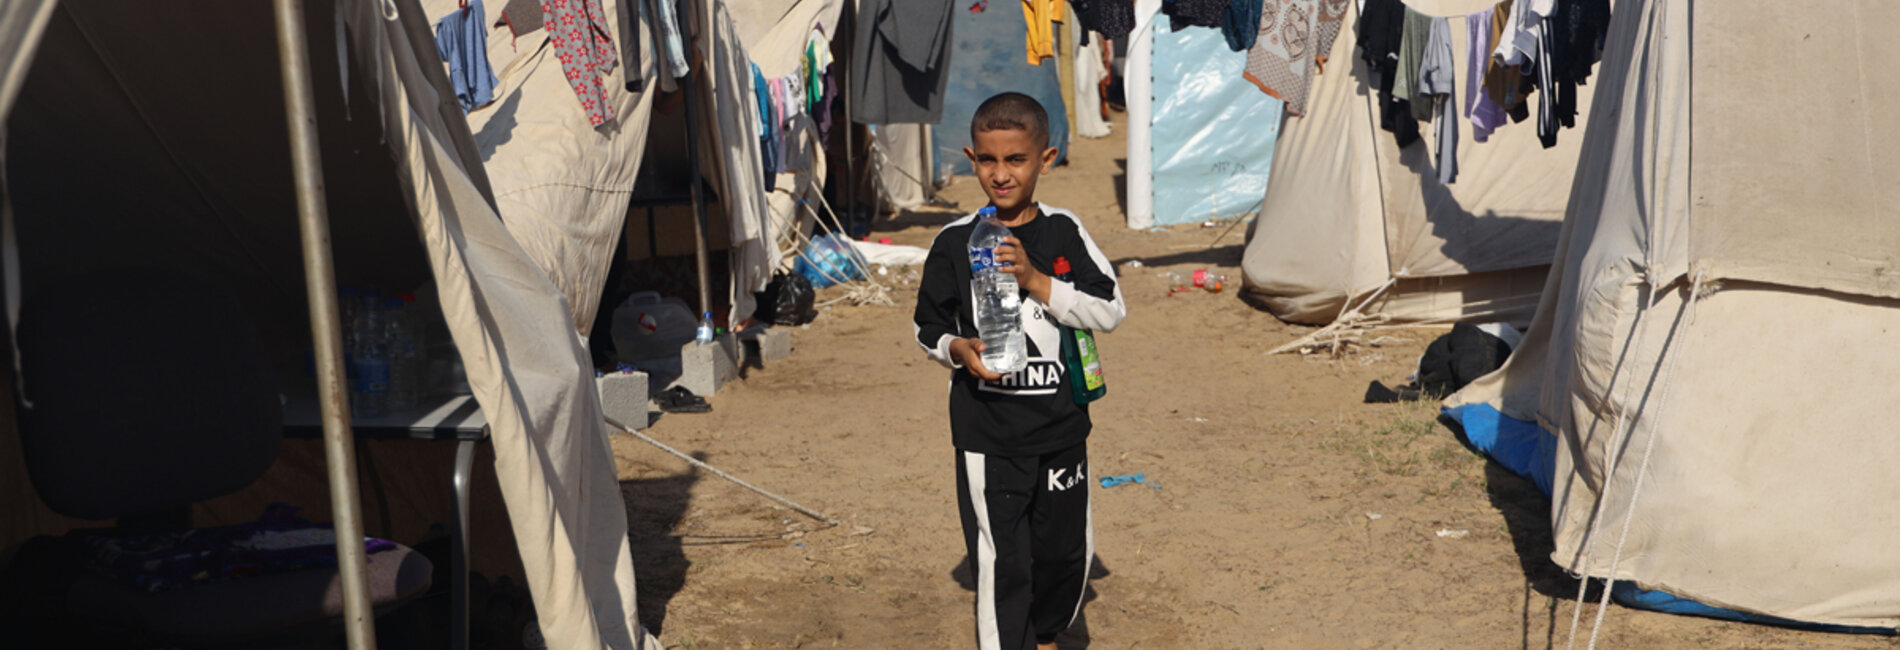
(998, 300)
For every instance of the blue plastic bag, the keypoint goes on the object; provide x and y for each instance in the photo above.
(828, 261)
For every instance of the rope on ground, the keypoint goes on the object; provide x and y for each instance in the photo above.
(721, 474)
(1649, 447)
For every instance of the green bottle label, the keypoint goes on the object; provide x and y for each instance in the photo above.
(1092, 379)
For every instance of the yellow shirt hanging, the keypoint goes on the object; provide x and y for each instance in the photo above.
(1041, 41)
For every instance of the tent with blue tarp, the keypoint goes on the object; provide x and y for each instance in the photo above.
(1703, 367)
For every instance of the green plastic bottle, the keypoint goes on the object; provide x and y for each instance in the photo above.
(1079, 353)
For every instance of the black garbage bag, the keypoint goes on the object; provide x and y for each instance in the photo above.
(1458, 358)
(787, 300)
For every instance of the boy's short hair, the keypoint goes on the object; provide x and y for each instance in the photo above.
(1012, 111)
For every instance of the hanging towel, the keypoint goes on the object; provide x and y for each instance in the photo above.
(1417, 29)
(578, 31)
(462, 39)
(1438, 84)
(1485, 115)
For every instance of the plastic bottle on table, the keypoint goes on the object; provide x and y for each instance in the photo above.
(369, 393)
(400, 340)
(998, 298)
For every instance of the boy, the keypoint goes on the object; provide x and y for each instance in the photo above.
(1022, 461)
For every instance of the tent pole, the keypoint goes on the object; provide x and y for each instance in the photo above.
(326, 333)
(700, 251)
(849, 19)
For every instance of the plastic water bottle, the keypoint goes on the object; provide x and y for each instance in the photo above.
(704, 334)
(998, 299)
(369, 394)
(399, 337)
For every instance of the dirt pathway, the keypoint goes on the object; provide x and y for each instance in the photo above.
(1280, 512)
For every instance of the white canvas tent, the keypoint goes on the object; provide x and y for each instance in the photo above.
(1709, 350)
(131, 146)
(1348, 213)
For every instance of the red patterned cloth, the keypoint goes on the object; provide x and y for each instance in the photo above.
(578, 30)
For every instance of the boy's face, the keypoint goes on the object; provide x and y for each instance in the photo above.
(1008, 163)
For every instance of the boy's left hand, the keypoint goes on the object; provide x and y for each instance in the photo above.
(1015, 261)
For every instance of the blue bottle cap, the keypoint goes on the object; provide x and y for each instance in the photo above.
(986, 211)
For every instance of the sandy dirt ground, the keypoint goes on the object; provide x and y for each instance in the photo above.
(1280, 511)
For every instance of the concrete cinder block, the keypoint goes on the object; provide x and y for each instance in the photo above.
(706, 367)
(767, 345)
(623, 397)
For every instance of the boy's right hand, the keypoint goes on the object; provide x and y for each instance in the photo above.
(969, 353)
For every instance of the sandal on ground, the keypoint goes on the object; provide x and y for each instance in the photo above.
(680, 400)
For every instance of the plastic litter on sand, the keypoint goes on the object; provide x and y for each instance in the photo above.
(1112, 481)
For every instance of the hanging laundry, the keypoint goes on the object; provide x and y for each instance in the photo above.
(1577, 31)
(1547, 101)
(817, 61)
(578, 31)
(1282, 58)
(1504, 83)
(768, 151)
(1240, 24)
(1525, 26)
(1041, 16)
(900, 61)
(1332, 16)
(1380, 29)
(1112, 19)
(1485, 115)
(666, 23)
(629, 15)
(1183, 14)
(824, 104)
(521, 16)
(1417, 29)
(1438, 84)
(461, 38)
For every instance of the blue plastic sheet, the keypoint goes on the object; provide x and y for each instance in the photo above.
(986, 59)
(1522, 447)
(1531, 452)
(1213, 132)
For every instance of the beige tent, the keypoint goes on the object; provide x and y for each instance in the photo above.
(1348, 214)
(1709, 350)
(131, 146)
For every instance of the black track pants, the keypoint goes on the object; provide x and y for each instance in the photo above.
(1027, 527)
